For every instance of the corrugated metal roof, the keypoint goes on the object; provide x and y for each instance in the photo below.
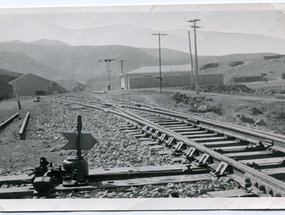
(169, 68)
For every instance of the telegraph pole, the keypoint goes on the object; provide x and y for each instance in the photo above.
(159, 34)
(196, 57)
(191, 59)
(109, 71)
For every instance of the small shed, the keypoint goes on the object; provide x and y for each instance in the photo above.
(31, 84)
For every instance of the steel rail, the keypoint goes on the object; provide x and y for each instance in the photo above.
(88, 101)
(212, 123)
(271, 184)
(201, 119)
(121, 114)
(234, 128)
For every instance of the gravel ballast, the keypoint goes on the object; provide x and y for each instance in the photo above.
(113, 149)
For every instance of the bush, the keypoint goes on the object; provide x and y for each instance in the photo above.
(210, 65)
(215, 109)
(277, 112)
(236, 63)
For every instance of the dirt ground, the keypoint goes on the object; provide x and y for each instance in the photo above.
(260, 111)
(18, 155)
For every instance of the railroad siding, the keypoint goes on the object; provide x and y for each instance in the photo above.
(174, 81)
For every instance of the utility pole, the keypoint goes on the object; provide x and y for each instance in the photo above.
(191, 59)
(109, 71)
(159, 34)
(196, 57)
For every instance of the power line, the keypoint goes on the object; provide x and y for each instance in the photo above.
(196, 57)
(159, 35)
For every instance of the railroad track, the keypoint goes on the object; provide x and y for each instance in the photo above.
(253, 158)
(200, 147)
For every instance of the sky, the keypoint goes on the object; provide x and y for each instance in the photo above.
(225, 28)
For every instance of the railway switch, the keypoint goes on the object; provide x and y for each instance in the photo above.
(76, 168)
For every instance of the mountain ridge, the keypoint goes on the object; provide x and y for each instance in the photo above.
(57, 62)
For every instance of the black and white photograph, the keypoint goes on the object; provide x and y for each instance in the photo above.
(143, 107)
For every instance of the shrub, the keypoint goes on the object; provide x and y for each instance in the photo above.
(215, 109)
(209, 65)
(236, 63)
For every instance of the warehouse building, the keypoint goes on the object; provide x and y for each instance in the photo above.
(30, 85)
(172, 76)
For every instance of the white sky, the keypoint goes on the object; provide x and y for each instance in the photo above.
(102, 25)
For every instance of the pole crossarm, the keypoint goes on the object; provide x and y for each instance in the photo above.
(159, 34)
(194, 20)
(107, 60)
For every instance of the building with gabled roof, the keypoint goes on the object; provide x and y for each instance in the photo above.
(172, 76)
(31, 84)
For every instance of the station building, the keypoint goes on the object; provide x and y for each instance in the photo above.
(31, 84)
(172, 76)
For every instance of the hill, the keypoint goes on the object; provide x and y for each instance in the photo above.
(10, 74)
(169, 54)
(49, 42)
(250, 65)
(6, 90)
(56, 61)
(22, 63)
